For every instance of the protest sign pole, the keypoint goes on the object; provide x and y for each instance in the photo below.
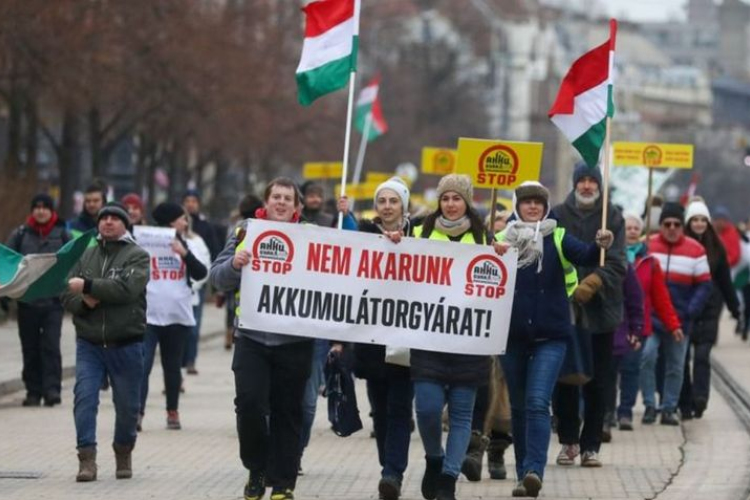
(648, 200)
(493, 213)
(347, 140)
(605, 187)
(361, 155)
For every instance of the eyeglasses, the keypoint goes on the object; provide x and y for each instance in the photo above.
(671, 224)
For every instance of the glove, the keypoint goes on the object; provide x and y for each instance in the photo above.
(604, 238)
(587, 288)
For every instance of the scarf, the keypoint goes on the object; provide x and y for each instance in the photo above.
(453, 228)
(42, 229)
(525, 236)
(633, 250)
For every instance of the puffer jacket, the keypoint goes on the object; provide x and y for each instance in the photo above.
(633, 316)
(706, 326)
(116, 274)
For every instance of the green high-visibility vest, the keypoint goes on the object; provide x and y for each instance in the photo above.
(571, 275)
(468, 237)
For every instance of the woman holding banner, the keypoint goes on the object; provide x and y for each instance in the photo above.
(389, 386)
(540, 323)
(270, 370)
(441, 378)
(169, 314)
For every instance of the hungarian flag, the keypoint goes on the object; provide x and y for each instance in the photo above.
(39, 275)
(585, 99)
(368, 103)
(329, 52)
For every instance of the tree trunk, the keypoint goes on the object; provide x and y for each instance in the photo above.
(15, 133)
(69, 162)
(95, 144)
(32, 136)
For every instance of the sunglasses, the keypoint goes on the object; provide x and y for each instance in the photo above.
(671, 224)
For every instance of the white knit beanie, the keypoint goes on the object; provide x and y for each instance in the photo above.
(398, 186)
(697, 208)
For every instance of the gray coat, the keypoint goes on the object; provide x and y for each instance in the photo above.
(603, 313)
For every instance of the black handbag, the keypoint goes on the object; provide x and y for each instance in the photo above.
(343, 413)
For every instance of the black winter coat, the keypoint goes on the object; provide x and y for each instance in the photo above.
(706, 326)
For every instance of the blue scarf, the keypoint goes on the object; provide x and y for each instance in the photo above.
(633, 250)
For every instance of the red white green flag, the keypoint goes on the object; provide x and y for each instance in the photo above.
(329, 51)
(585, 100)
(368, 103)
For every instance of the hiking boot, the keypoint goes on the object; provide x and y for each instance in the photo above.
(389, 488)
(52, 398)
(606, 432)
(173, 420)
(590, 459)
(446, 487)
(699, 406)
(568, 454)
(86, 464)
(625, 424)
(433, 467)
(139, 423)
(124, 466)
(495, 456)
(669, 418)
(519, 490)
(532, 483)
(649, 416)
(32, 400)
(255, 487)
(282, 494)
(472, 465)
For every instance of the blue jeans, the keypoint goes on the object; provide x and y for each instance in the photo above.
(391, 399)
(430, 398)
(674, 360)
(312, 389)
(124, 367)
(191, 347)
(630, 369)
(532, 370)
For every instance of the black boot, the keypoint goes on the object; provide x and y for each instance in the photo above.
(472, 465)
(434, 465)
(495, 455)
(446, 487)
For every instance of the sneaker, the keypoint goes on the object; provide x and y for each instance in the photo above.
(532, 483)
(519, 490)
(31, 400)
(699, 406)
(669, 418)
(173, 420)
(568, 454)
(389, 488)
(625, 424)
(256, 486)
(590, 459)
(649, 416)
(606, 433)
(282, 494)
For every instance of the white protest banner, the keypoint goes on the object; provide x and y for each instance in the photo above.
(357, 287)
(157, 241)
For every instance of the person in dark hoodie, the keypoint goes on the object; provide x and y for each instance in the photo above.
(94, 199)
(313, 198)
(695, 388)
(40, 322)
(597, 304)
(540, 325)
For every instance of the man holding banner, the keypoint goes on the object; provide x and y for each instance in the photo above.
(270, 370)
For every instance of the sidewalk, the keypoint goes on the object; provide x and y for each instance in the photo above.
(201, 462)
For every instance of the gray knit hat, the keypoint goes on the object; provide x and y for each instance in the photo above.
(116, 209)
(458, 183)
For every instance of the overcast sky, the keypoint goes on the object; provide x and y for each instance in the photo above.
(645, 10)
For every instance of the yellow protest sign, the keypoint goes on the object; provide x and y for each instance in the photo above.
(499, 164)
(652, 155)
(438, 161)
(363, 191)
(377, 177)
(322, 170)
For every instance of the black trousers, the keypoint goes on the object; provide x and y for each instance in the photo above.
(481, 405)
(567, 402)
(171, 340)
(39, 330)
(270, 384)
(697, 387)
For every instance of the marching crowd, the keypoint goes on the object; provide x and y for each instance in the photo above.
(585, 335)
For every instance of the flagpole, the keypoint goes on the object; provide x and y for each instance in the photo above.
(648, 200)
(347, 140)
(493, 212)
(605, 181)
(361, 154)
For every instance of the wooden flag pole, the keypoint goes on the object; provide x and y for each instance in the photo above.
(347, 140)
(605, 187)
(493, 213)
(648, 200)
(361, 154)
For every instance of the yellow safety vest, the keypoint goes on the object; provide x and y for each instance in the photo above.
(439, 236)
(571, 275)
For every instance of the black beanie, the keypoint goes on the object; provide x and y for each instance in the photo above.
(583, 170)
(44, 200)
(166, 213)
(672, 210)
(116, 209)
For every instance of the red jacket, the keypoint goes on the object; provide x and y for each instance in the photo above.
(655, 294)
(731, 239)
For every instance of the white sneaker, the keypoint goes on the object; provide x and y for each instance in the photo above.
(590, 459)
(568, 454)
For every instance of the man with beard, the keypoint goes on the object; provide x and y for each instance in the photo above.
(597, 304)
(313, 198)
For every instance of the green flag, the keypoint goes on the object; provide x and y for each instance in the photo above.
(39, 275)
